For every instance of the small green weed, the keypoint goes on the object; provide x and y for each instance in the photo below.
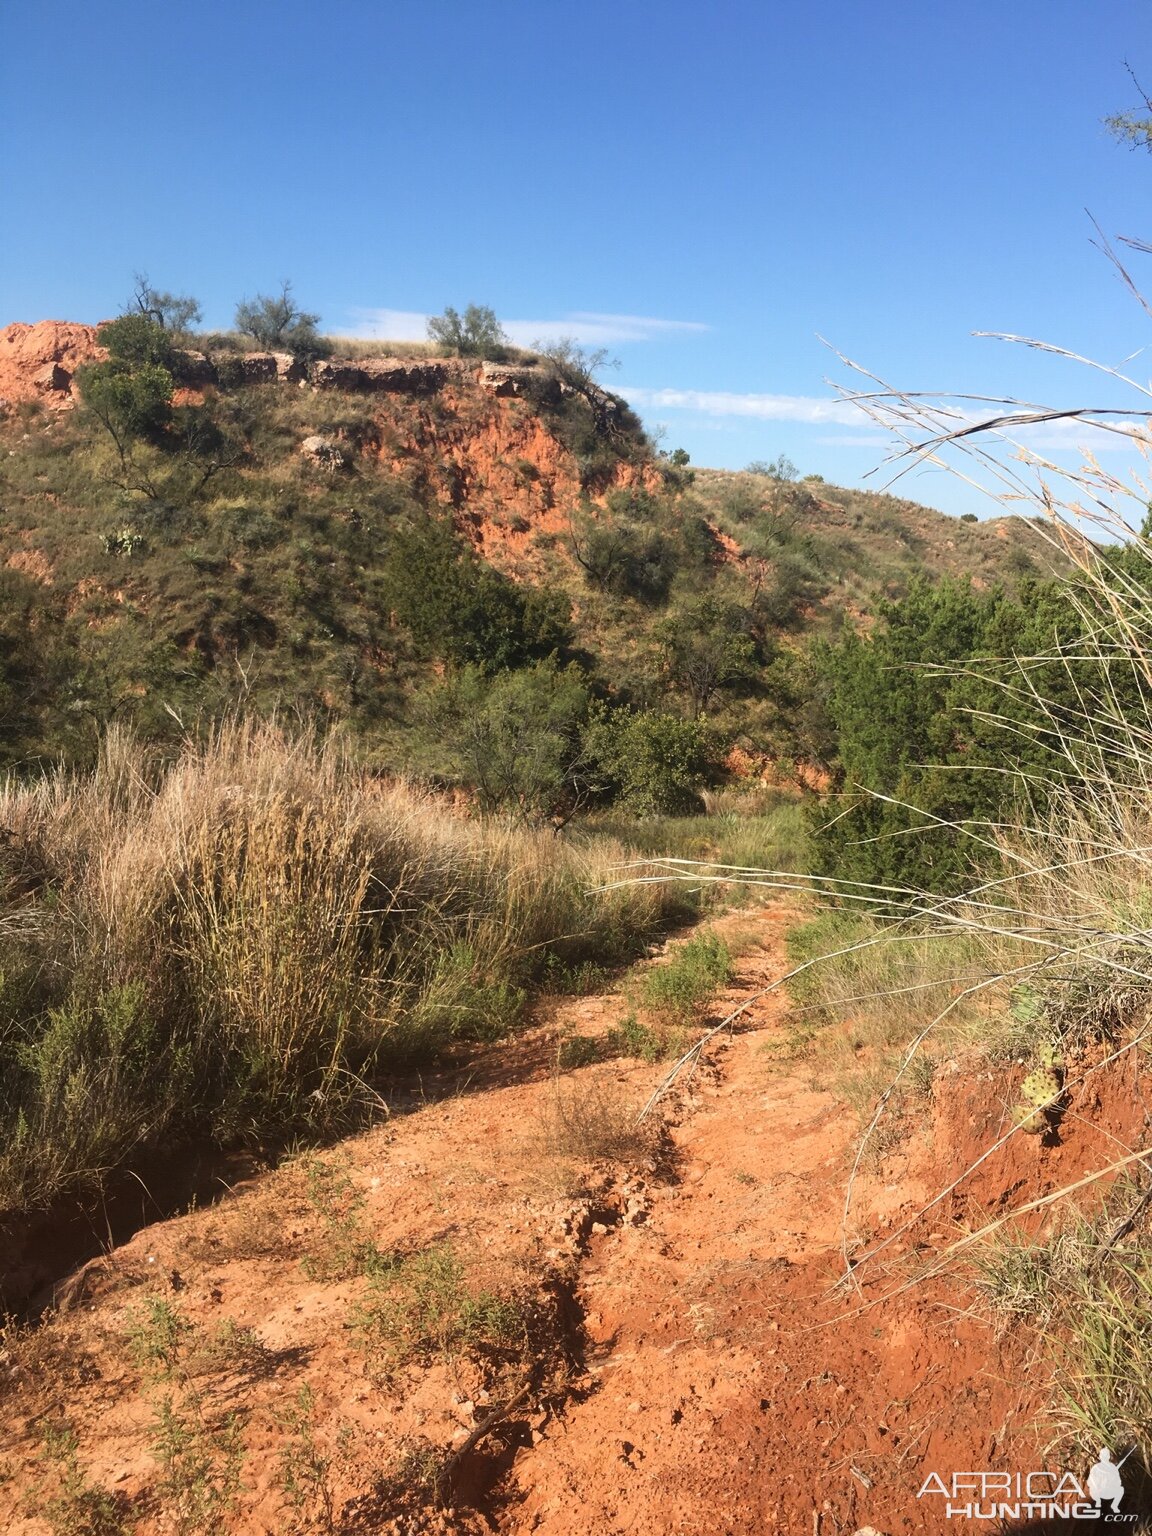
(676, 991)
(422, 1309)
(166, 1347)
(305, 1474)
(344, 1248)
(200, 1465)
(200, 1462)
(578, 1051)
(632, 1038)
(159, 1338)
(572, 979)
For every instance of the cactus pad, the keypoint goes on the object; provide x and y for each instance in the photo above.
(1030, 1121)
(1041, 1086)
(1039, 1091)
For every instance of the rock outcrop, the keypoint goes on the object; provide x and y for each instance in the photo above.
(510, 380)
(382, 375)
(37, 362)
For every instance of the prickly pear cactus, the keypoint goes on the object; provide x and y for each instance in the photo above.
(1039, 1091)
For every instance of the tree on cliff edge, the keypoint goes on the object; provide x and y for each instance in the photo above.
(476, 333)
(276, 322)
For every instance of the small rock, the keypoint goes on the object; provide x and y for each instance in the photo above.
(324, 451)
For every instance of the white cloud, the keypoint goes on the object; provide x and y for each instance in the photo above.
(810, 409)
(390, 324)
(1067, 435)
(589, 328)
(585, 327)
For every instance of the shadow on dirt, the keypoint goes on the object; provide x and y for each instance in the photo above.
(40, 1249)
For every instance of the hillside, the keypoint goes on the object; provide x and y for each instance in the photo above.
(872, 544)
(269, 542)
(343, 1186)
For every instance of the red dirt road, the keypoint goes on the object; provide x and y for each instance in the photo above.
(723, 1381)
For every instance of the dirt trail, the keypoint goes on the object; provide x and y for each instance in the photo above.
(719, 1382)
(732, 1381)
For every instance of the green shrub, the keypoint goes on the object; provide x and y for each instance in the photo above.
(130, 399)
(461, 609)
(926, 730)
(516, 738)
(305, 1474)
(137, 339)
(708, 649)
(658, 763)
(676, 991)
(626, 560)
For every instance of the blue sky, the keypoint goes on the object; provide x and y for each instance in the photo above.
(706, 191)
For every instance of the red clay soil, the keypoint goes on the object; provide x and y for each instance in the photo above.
(498, 464)
(717, 1371)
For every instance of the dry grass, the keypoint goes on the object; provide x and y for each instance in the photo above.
(591, 1118)
(241, 941)
(1085, 1288)
(356, 347)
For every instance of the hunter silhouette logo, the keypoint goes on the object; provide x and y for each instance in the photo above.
(1033, 1495)
(1105, 1484)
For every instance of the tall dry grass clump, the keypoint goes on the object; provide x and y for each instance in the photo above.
(1061, 927)
(244, 939)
